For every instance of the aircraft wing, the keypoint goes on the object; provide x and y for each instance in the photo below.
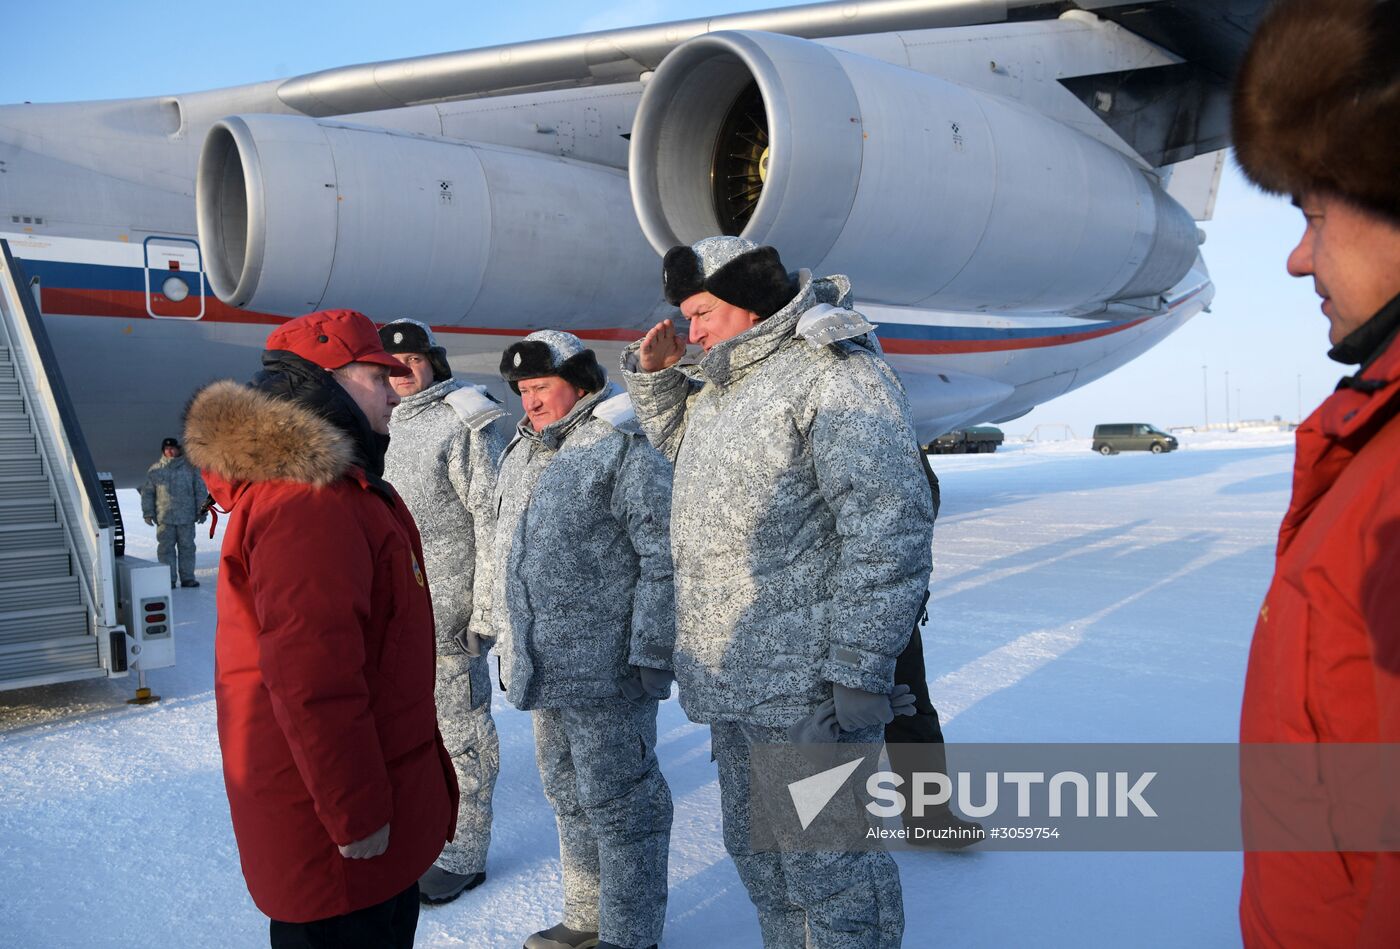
(1166, 114)
(605, 57)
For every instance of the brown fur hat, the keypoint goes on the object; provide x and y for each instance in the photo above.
(1317, 102)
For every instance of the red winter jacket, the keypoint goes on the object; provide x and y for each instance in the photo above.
(1325, 662)
(324, 661)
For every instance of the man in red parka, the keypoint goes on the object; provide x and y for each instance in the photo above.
(339, 787)
(1317, 117)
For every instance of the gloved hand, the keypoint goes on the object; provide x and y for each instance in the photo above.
(819, 727)
(150, 521)
(857, 709)
(902, 701)
(203, 514)
(471, 641)
(644, 682)
(371, 846)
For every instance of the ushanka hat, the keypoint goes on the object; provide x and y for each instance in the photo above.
(552, 353)
(738, 271)
(1317, 103)
(411, 336)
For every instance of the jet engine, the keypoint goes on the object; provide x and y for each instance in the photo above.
(297, 214)
(935, 194)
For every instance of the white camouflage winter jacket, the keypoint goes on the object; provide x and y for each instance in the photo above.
(444, 445)
(582, 587)
(801, 522)
(174, 492)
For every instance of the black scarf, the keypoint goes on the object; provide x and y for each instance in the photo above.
(1370, 339)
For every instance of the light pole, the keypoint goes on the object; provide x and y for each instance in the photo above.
(1227, 400)
(1205, 398)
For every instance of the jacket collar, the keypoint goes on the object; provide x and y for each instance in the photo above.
(1369, 340)
(240, 436)
(1368, 398)
(728, 362)
(416, 403)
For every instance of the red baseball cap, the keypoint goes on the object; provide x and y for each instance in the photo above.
(335, 338)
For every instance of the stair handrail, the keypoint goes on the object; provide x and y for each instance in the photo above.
(61, 441)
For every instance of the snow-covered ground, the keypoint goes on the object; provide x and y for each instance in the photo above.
(1076, 598)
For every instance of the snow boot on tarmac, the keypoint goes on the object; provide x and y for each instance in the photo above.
(437, 885)
(562, 937)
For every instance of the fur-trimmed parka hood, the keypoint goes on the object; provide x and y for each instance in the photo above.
(242, 435)
(1317, 102)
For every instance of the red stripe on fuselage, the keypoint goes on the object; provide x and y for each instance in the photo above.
(131, 305)
(944, 347)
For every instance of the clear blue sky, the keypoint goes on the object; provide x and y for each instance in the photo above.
(1265, 329)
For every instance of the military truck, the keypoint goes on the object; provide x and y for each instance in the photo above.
(978, 439)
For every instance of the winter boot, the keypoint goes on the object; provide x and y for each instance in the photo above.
(562, 937)
(188, 583)
(439, 886)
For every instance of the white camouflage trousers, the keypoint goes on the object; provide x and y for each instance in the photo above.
(464, 718)
(599, 770)
(173, 538)
(834, 900)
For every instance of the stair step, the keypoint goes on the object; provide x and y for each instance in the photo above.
(76, 657)
(39, 593)
(52, 622)
(7, 371)
(21, 467)
(16, 424)
(9, 388)
(21, 489)
(21, 537)
(27, 511)
(19, 443)
(35, 564)
(11, 405)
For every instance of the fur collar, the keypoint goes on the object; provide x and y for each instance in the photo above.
(244, 435)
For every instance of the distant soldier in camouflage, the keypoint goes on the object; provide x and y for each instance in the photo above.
(173, 500)
(801, 531)
(443, 450)
(583, 610)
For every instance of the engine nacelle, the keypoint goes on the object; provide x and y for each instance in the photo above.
(933, 194)
(298, 214)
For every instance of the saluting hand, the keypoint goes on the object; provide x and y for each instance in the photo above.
(661, 348)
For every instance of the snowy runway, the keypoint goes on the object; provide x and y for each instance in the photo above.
(1075, 598)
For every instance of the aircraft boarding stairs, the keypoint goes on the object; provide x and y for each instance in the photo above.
(63, 615)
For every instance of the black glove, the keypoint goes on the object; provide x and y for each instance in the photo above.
(644, 682)
(471, 641)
